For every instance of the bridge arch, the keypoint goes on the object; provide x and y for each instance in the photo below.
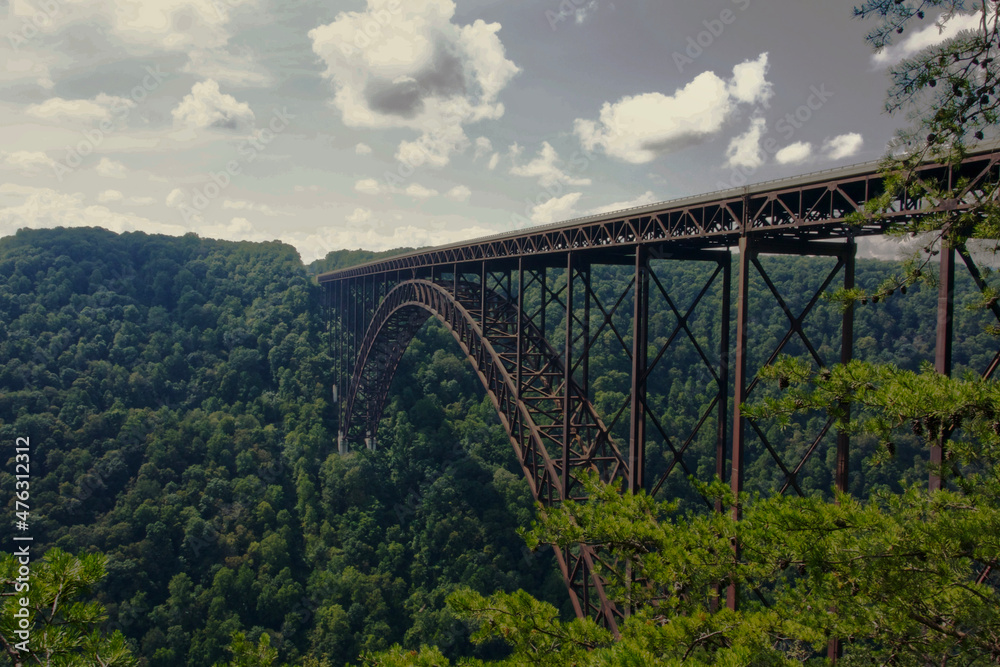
(486, 339)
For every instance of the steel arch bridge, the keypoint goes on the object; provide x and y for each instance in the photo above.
(526, 313)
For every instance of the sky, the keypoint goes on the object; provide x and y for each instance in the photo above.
(379, 124)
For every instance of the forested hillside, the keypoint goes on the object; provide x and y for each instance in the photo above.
(345, 258)
(176, 394)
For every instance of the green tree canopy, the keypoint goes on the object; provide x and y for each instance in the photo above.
(63, 624)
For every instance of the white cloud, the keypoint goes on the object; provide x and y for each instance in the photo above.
(420, 192)
(23, 206)
(940, 31)
(363, 149)
(545, 170)
(237, 229)
(483, 147)
(360, 215)
(579, 11)
(242, 205)
(239, 69)
(69, 36)
(142, 201)
(433, 148)
(794, 153)
(645, 198)
(43, 207)
(111, 169)
(583, 13)
(556, 208)
(110, 196)
(175, 198)
(843, 146)
(379, 237)
(368, 186)
(744, 150)
(29, 163)
(140, 26)
(639, 128)
(494, 161)
(174, 24)
(894, 248)
(205, 106)
(749, 83)
(419, 71)
(459, 193)
(103, 107)
(28, 65)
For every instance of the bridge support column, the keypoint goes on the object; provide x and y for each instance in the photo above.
(723, 406)
(745, 382)
(740, 388)
(482, 296)
(637, 405)
(543, 275)
(520, 328)
(841, 476)
(567, 415)
(585, 366)
(942, 356)
(846, 354)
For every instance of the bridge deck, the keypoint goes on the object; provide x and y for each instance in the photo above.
(808, 207)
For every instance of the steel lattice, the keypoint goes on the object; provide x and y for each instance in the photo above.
(525, 311)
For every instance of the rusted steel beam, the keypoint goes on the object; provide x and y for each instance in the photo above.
(567, 416)
(841, 476)
(813, 206)
(994, 307)
(740, 388)
(723, 404)
(637, 404)
(942, 350)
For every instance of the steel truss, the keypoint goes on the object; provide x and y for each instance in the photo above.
(527, 313)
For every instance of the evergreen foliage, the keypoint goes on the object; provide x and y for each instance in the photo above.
(62, 627)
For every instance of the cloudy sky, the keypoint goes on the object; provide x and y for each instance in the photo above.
(387, 123)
